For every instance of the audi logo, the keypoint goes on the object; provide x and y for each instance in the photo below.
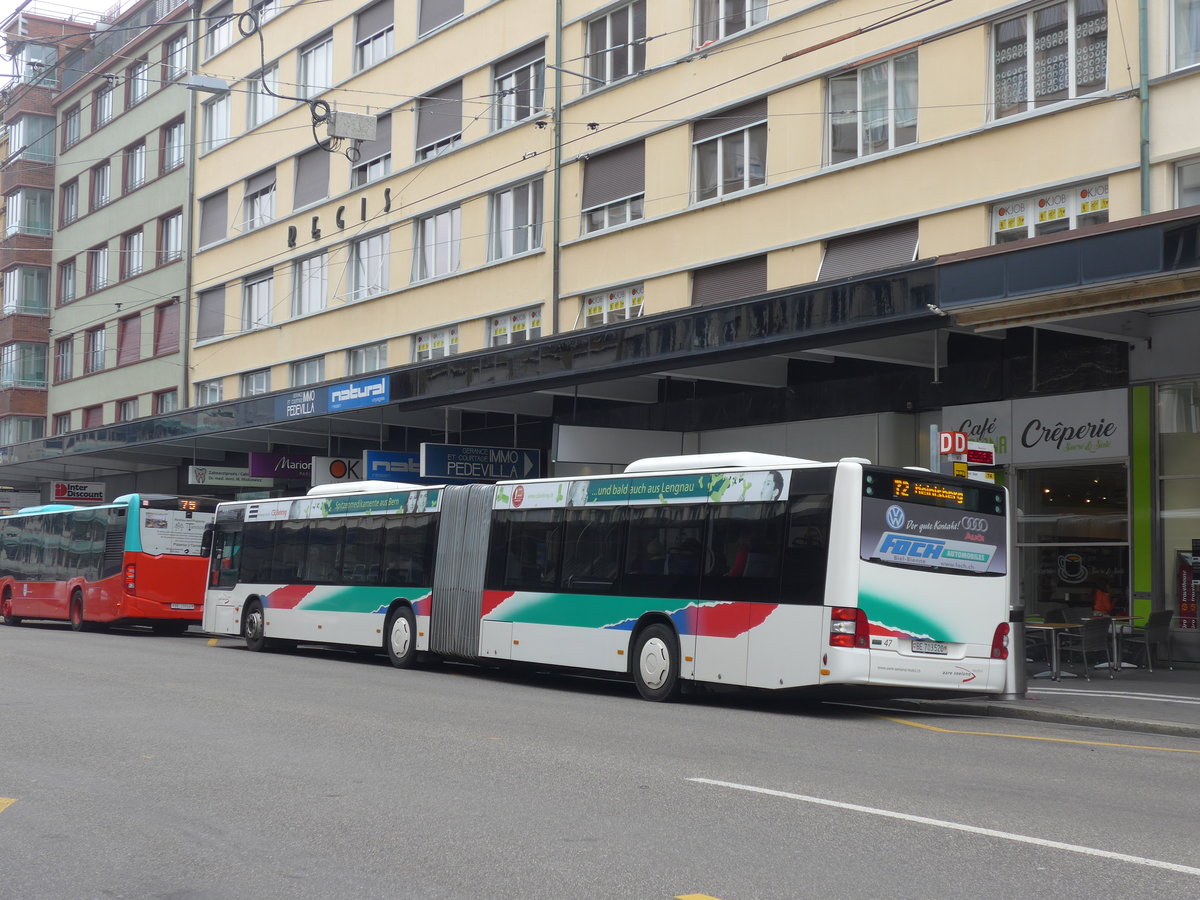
(970, 523)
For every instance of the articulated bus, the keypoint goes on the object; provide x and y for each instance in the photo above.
(134, 561)
(723, 569)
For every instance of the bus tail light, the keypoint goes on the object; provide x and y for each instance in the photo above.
(1000, 641)
(131, 579)
(848, 628)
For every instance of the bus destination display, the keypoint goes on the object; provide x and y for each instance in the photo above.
(946, 494)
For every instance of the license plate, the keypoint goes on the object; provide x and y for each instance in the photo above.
(193, 606)
(929, 647)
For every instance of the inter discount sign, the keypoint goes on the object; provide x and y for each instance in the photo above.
(77, 492)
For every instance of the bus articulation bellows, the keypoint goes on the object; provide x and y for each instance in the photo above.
(732, 569)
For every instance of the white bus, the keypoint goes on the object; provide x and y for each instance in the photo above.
(733, 569)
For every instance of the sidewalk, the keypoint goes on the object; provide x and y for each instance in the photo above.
(1163, 702)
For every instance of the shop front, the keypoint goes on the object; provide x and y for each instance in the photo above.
(1065, 459)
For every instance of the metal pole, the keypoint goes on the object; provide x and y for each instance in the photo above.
(1016, 681)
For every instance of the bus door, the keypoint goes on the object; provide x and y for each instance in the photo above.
(221, 614)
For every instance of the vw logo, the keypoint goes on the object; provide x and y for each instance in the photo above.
(970, 523)
(895, 517)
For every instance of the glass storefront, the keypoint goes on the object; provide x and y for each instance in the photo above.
(1179, 493)
(1073, 536)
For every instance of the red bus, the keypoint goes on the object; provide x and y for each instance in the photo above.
(134, 561)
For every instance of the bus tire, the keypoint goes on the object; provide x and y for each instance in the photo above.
(253, 626)
(400, 635)
(6, 609)
(76, 611)
(656, 663)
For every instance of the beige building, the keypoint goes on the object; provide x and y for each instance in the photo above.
(605, 231)
(525, 181)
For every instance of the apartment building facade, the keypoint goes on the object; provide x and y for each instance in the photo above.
(119, 260)
(34, 44)
(612, 230)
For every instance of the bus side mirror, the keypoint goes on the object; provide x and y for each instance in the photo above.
(206, 542)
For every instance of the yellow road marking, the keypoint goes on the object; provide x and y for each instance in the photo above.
(1030, 737)
(694, 897)
(212, 642)
(6, 802)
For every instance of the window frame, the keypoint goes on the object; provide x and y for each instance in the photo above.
(508, 84)
(216, 114)
(170, 226)
(306, 372)
(137, 79)
(504, 226)
(304, 303)
(258, 300)
(435, 343)
(427, 254)
(252, 384)
(305, 69)
(369, 275)
(102, 106)
(94, 349)
(64, 359)
(134, 163)
(359, 359)
(600, 61)
(617, 305)
(68, 206)
(720, 189)
(219, 34)
(97, 268)
(173, 144)
(133, 247)
(101, 185)
(262, 104)
(174, 51)
(515, 327)
(711, 29)
(72, 127)
(1029, 52)
(66, 276)
(859, 113)
(203, 391)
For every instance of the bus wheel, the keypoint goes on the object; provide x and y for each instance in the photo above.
(77, 623)
(252, 626)
(6, 610)
(401, 634)
(656, 663)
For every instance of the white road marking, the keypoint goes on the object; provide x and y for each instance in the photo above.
(958, 826)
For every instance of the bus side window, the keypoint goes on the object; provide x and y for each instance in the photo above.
(664, 551)
(323, 556)
(291, 545)
(363, 552)
(806, 551)
(743, 556)
(533, 551)
(592, 549)
(258, 546)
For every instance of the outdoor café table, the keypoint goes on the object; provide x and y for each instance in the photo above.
(1052, 629)
(1118, 622)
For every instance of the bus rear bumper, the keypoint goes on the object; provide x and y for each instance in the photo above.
(146, 609)
(881, 669)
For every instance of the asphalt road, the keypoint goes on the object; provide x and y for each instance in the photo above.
(136, 766)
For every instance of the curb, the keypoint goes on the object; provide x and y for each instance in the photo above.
(1013, 710)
